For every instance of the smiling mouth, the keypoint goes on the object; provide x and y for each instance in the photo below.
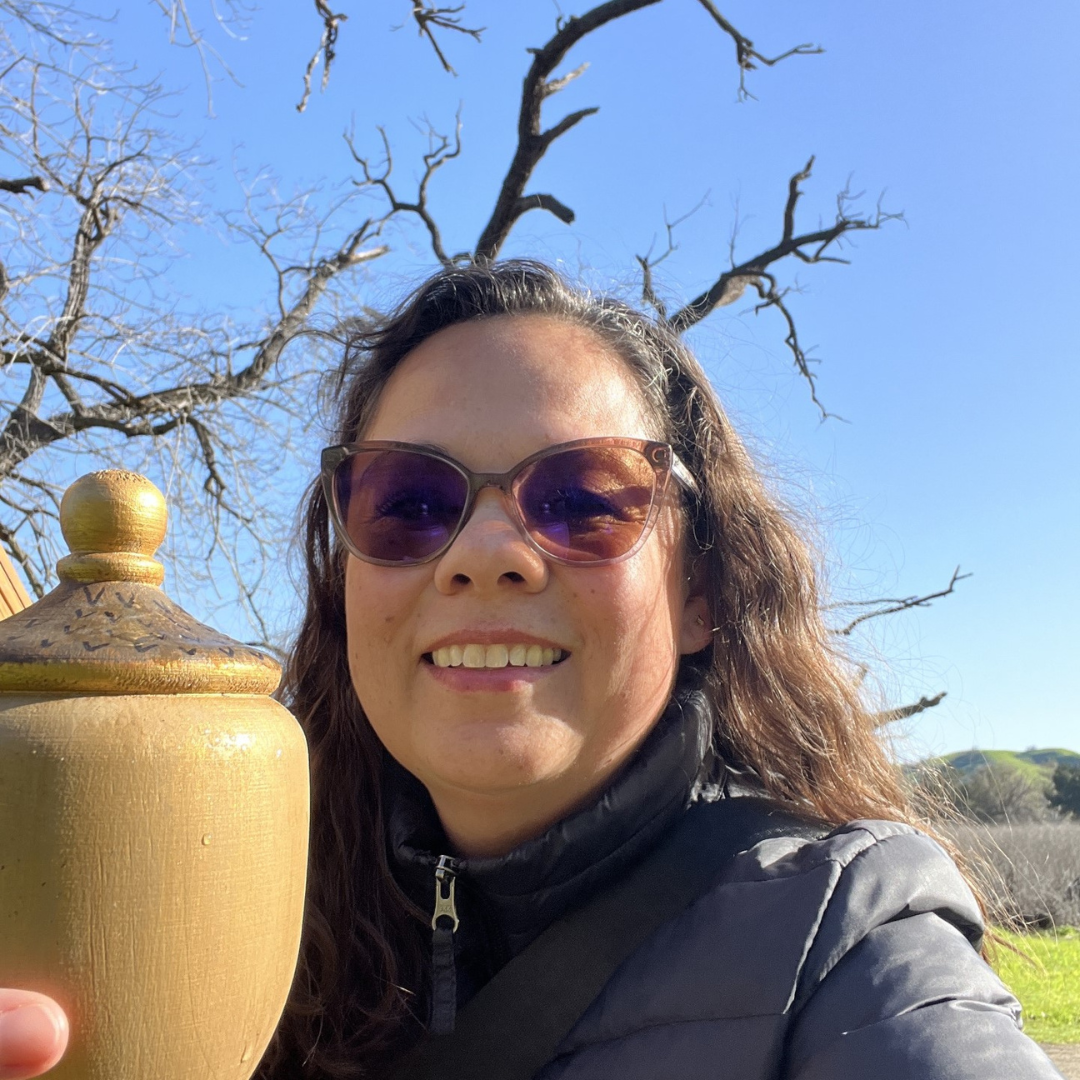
(495, 656)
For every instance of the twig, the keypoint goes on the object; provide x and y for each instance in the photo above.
(445, 19)
(439, 154)
(746, 54)
(326, 50)
(648, 263)
(890, 606)
(11, 542)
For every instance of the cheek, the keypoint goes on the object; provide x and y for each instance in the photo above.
(630, 667)
(634, 618)
(377, 614)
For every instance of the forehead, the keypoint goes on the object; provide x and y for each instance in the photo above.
(505, 387)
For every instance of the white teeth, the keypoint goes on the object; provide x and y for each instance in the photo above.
(495, 656)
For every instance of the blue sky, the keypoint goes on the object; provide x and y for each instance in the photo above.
(947, 346)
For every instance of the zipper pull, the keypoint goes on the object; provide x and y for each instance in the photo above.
(443, 967)
(445, 875)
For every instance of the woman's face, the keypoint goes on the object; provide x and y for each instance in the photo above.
(507, 751)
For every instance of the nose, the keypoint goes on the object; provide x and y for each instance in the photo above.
(490, 553)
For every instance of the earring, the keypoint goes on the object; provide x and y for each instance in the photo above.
(700, 620)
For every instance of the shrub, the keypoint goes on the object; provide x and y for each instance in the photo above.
(1001, 793)
(996, 791)
(1029, 872)
(1065, 789)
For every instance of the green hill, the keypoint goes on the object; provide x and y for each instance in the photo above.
(1039, 764)
(991, 785)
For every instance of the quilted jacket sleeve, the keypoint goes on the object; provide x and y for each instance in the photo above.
(892, 986)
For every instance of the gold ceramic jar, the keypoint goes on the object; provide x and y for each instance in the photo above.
(153, 811)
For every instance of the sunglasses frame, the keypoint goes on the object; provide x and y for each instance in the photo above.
(659, 455)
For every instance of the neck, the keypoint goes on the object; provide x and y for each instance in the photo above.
(482, 824)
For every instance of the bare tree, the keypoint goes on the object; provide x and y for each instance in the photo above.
(98, 357)
(103, 359)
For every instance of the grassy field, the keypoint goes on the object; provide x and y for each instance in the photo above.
(1048, 985)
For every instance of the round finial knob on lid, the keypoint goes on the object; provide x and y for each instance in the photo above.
(113, 522)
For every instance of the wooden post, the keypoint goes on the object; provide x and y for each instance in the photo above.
(13, 594)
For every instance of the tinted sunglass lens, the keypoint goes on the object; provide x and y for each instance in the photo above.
(587, 505)
(398, 506)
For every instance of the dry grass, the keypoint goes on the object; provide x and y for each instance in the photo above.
(1030, 872)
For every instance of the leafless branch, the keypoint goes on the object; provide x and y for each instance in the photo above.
(52, 22)
(441, 150)
(902, 712)
(553, 86)
(24, 185)
(894, 605)
(648, 262)
(730, 284)
(160, 411)
(746, 56)
(447, 18)
(773, 297)
(326, 50)
(810, 247)
(184, 33)
(533, 140)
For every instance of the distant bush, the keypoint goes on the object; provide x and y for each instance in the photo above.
(1065, 789)
(997, 792)
(1029, 872)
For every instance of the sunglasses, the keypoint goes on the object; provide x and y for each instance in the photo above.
(582, 503)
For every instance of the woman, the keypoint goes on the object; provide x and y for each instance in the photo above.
(550, 607)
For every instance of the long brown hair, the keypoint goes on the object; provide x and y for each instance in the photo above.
(785, 704)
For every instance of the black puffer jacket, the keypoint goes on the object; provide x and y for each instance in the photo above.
(846, 957)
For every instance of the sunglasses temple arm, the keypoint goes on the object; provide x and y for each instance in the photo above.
(683, 475)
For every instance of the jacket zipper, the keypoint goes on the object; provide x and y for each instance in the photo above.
(443, 968)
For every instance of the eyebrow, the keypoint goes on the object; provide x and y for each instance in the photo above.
(431, 446)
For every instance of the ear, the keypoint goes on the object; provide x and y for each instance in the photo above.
(695, 631)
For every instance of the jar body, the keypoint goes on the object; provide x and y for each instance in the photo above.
(153, 855)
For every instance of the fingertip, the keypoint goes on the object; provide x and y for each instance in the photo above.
(34, 1034)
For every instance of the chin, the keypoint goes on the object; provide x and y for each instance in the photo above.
(490, 758)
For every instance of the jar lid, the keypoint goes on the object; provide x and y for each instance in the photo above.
(107, 628)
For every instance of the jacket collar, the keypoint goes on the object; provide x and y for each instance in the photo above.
(531, 886)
